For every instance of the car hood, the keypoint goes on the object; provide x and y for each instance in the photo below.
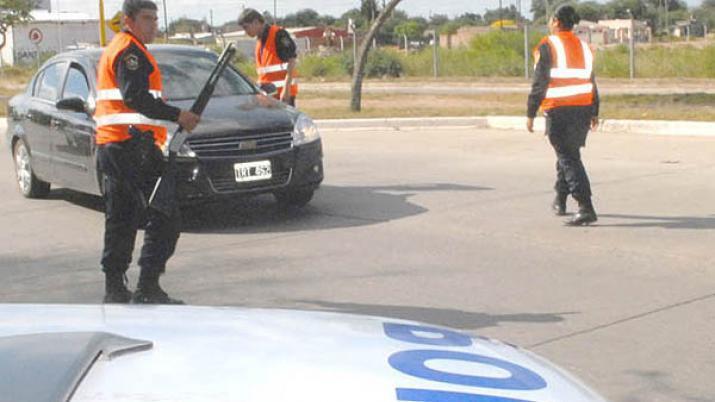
(242, 113)
(202, 354)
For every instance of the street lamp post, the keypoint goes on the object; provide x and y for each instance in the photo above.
(166, 22)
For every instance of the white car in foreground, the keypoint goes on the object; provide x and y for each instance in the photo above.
(53, 353)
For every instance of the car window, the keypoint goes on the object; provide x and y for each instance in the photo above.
(184, 75)
(76, 85)
(49, 85)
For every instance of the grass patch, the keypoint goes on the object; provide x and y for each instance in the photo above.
(335, 105)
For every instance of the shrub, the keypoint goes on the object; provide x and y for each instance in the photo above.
(380, 63)
(314, 66)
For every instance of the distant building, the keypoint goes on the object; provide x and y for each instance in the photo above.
(593, 33)
(620, 31)
(50, 33)
(685, 29)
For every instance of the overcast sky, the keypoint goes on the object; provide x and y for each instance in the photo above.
(226, 10)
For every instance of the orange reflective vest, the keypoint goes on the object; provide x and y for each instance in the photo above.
(270, 67)
(571, 68)
(112, 115)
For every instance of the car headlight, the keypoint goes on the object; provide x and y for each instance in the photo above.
(304, 130)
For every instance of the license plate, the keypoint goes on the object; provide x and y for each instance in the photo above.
(253, 171)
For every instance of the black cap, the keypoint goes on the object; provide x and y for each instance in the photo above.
(249, 15)
(567, 16)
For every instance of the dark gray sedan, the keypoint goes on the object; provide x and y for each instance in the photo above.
(246, 144)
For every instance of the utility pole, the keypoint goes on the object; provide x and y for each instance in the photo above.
(501, 19)
(102, 33)
(275, 11)
(667, 20)
(211, 20)
(631, 48)
(166, 22)
(526, 50)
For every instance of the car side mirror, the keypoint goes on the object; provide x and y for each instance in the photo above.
(72, 104)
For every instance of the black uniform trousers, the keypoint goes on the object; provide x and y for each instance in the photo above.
(130, 170)
(567, 128)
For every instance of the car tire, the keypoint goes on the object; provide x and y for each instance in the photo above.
(295, 198)
(28, 184)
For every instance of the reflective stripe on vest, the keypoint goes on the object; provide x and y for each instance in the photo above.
(115, 94)
(281, 84)
(112, 115)
(126, 119)
(562, 71)
(571, 71)
(571, 90)
(270, 67)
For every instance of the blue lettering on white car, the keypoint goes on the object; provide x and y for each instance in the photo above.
(413, 363)
(431, 395)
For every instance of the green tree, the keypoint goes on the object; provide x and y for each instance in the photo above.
(368, 9)
(469, 19)
(437, 20)
(506, 13)
(541, 8)
(303, 18)
(410, 29)
(705, 14)
(13, 12)
(590, 11)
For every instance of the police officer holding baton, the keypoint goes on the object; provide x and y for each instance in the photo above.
(131, 118)
(565, 88)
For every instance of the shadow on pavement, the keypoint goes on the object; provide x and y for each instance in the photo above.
(665, 222)
(657, 385)
(332, 207)
(89, 201)
(464, 320)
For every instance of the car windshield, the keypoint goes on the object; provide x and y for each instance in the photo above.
(184, 74)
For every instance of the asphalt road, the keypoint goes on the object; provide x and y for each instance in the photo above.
(450, 227)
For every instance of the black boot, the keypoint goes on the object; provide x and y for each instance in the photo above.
(149, 292)
(585, 216)
(559, 204)
(116, 288)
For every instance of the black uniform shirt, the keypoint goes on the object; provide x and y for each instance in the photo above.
(542, 76)
(285, 47)
(132, 69)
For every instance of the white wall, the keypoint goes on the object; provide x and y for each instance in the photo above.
(57, 37)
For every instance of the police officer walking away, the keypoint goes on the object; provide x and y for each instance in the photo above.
(275, 55)
(130, 117)
(565, 88)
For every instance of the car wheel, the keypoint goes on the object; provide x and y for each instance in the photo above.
(28, 184)
(296, 198)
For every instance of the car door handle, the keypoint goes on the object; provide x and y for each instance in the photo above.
(54, 123)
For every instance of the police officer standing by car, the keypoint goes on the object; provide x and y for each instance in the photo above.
(564, 87)
(275, 55)
(131, 118)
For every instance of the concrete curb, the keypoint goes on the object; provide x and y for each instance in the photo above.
(653, 127)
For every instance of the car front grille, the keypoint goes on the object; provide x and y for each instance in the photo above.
(245, 145)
